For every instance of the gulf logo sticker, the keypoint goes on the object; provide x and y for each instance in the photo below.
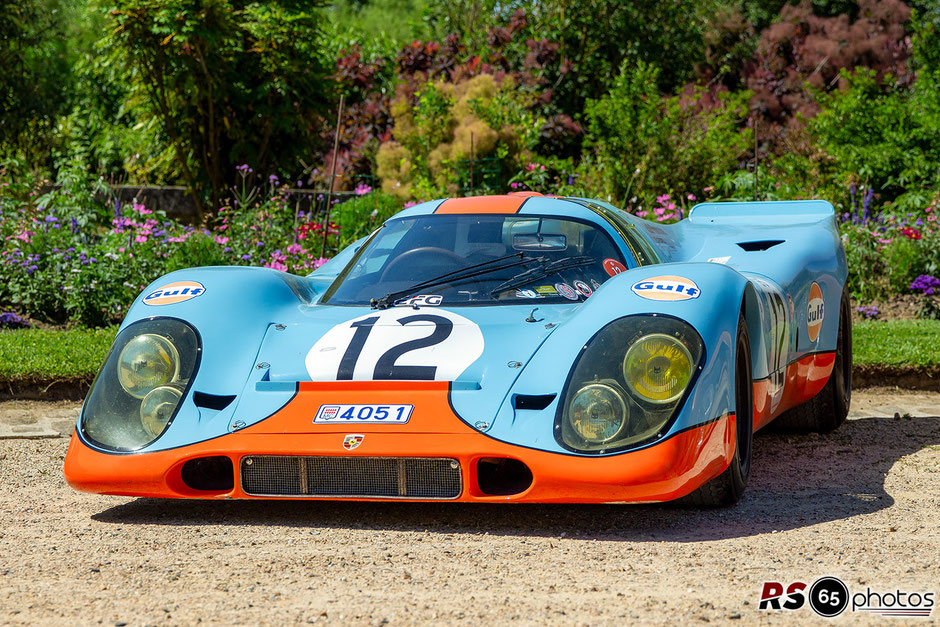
(815, 312)
(666, 288)
(175, 293)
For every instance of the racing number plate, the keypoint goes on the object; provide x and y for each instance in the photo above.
(359, 414)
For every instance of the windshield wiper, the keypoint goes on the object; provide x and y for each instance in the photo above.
(535, 274)
(457, 275)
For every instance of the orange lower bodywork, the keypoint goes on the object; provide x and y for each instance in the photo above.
(804, 379)
(664, 471)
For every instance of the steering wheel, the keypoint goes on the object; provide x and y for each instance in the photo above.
(440, 258)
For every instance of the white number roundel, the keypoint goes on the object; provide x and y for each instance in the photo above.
(429, 344)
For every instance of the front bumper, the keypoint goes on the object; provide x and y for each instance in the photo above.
(664, 471)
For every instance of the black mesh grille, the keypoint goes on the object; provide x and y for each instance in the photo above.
(379, 477)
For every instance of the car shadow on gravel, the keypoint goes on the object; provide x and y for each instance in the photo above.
(796, 481)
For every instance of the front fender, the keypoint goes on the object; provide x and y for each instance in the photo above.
(713, 313)
(231, 315)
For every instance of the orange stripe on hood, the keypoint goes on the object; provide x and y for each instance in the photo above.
(482, 204)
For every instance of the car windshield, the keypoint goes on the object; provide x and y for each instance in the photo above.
(478, 259)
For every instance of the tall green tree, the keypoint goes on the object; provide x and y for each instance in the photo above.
(34, 71)
(230, 81)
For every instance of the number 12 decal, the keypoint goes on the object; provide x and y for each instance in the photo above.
(396, 344)
(385, 367)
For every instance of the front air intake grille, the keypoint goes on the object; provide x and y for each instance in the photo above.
(366, 477)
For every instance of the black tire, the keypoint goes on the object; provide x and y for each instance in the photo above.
(827, 410)
(728, 487)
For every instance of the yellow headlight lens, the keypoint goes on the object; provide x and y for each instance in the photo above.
(597, 413)
(147, 362)
(658, 368)
(157, 408)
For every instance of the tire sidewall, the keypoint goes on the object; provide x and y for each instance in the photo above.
(744, 408)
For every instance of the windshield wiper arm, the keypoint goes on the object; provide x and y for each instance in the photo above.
(530, 276)
(464, 273)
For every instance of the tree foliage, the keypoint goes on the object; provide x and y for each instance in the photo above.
(34, 71)
(646, 144)
(229, 81)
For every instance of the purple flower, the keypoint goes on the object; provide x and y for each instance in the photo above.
(9, 320)
(869, 312)
(33, 268)
(925, 284)
(51, 219)
(246, 257)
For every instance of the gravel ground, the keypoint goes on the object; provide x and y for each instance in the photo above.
(862, 504)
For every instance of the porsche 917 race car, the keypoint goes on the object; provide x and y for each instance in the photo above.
(517, 348)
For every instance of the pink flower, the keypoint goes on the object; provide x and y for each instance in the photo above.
(295, 249)
(530, 167)
(276, 265)
(662, 199)
(708, 189)
(220, 240)
(140, 239)
(362, 189)
(411, 203)
(319, 262)
(691, 197)
(141, 209)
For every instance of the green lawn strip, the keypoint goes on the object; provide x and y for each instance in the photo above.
(49, 354)
(914, 343)
(46, 354)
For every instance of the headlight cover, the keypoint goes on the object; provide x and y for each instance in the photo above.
(138, 391)
(638, 367)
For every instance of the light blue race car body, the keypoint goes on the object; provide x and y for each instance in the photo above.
(263, 333)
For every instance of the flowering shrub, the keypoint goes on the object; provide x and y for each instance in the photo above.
(9, 320)
(868, 312)
(886, 251)
(929, 286)
(60, 261)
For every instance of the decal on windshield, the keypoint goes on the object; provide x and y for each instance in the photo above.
(566, 290)
(613, 267)
(584, 288)
(431, 300)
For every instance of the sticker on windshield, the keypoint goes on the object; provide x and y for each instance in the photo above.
(396, 344)
(566, 290)
(526, 294)
(595, 283)
(431, 300)
(583, 287)
(546, 290)
(613, 267)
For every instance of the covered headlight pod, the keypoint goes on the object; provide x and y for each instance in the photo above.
(138, 391)
(628, 383)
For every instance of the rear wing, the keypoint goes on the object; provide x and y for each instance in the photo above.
(762, 213)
